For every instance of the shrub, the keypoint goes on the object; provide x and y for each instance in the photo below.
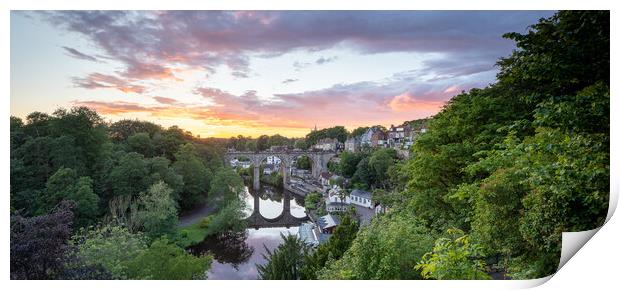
(204, 223)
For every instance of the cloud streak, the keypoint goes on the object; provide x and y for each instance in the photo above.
(79, 55)
(99, 80)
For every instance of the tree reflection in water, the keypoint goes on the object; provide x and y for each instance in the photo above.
(227, 247)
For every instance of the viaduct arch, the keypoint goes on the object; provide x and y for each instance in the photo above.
(319, 162)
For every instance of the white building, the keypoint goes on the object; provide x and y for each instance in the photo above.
(273, 160)
(326, 144)
(243, 164)
(335, 203)
(268, 169)
(352, 144)
(361, 198)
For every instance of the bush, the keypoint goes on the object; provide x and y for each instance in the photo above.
(204, 223)
(184, 233)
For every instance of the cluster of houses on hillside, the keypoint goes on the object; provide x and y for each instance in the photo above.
(397, 137)
(336, 202)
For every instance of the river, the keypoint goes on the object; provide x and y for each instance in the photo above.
(236, 254)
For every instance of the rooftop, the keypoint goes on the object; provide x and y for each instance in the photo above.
(306, 233)
(361, 193)
(328, 221)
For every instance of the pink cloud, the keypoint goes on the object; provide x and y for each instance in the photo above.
(99, 80)
(406, 102)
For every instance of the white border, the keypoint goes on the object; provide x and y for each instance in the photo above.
(596, 264)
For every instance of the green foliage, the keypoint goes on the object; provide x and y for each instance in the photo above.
(141, 143)
(454, 258)
(165, 261)
(312, 200)
(66, 185)
(129, 176)
(388, 248)
(160, 171)
(301, 144)
(43, 144)
(121, 130)
(228, 218)
(348, 163)
(109, 246)
(205, 222)
(379, 162)
(359, 131)
(364, 175)
(85, 128)
(333, 249)
(227, 185)
(559, 55)
(195, 176)
(286, 261)
(333, 167)
(337, 132)
(191, 234)
(304, 162)
(158, 213)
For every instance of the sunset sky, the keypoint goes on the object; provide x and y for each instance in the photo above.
(223, 74)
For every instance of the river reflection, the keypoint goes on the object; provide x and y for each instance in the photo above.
(271, 202)
(236, 254)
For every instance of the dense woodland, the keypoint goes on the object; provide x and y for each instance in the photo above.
(90, 199)
(501, 172)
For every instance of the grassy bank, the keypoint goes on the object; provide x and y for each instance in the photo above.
(193, 234)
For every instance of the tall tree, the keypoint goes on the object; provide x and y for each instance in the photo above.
(66, 185)
(111, 247)
(158, 213)
(129, 176)
(195, 176)
(286, 261)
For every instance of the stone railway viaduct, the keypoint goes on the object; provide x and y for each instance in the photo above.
(319, 162)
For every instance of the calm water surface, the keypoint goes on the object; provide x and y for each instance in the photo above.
(236, 254)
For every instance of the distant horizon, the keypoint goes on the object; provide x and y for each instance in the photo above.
(223, 137)
(228, 73)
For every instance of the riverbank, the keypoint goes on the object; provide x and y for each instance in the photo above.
(195, 215)
(189, 231)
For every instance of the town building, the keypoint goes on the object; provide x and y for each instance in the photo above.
(327, 144)
(335, 202)
(373, 137)
(273, 160)
(399, 136)
(268, 169)
(309, 234)
(328, 223)
(361, 198)
(352, 144)
(235, 163)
